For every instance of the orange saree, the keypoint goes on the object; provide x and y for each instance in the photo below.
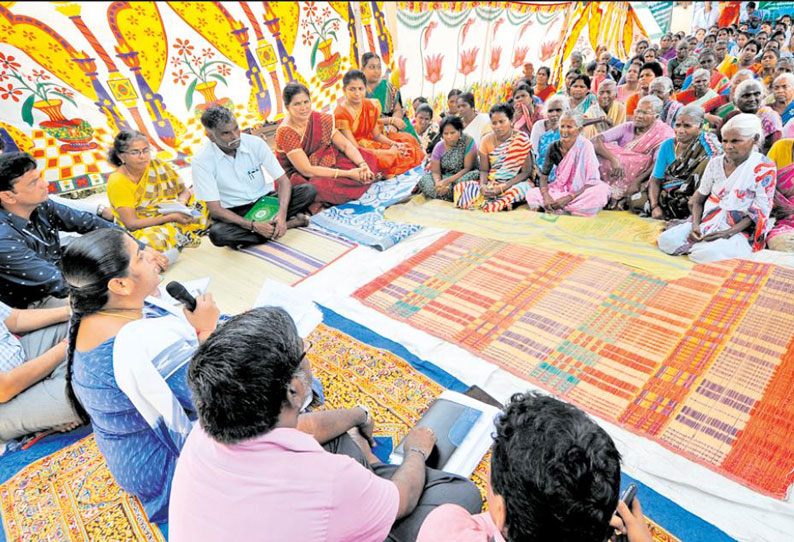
(390, 161)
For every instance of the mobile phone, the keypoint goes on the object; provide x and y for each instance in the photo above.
(629, 494)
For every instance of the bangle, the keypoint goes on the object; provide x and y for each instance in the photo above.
(417, 450)
(252, 226)
(366, 412)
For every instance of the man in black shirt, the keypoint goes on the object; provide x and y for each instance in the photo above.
(30, 248)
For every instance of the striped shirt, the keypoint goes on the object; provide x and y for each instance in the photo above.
(11, 353)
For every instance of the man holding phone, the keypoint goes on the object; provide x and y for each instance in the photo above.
(228, 176)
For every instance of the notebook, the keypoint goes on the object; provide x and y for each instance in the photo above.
(263, 210)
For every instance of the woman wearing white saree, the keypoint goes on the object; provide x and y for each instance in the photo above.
(731, 207)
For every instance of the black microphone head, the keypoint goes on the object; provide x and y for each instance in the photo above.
(180, 293)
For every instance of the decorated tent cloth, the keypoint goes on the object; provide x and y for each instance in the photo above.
(702, 364)
(617, 236)
(362, 220)
(61, 490)
(301, 253)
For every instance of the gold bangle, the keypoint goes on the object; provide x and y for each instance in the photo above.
(336, 173)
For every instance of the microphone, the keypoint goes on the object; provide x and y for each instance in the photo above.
(180, 293)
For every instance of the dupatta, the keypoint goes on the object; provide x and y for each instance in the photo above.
(389, 97)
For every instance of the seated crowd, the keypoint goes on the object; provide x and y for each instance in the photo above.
(210, 425)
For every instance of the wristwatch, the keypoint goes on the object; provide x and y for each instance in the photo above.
(366, 412)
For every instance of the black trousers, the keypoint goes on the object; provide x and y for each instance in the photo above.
(224, 234)
(440, 488)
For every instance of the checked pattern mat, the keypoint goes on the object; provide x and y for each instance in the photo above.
(703, 365)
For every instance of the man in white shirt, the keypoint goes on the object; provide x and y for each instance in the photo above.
(705, 16)
(227, 175)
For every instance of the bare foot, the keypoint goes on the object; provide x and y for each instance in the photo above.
(362, 443)
(298, 221)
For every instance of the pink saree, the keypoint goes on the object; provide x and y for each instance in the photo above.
(635, 157)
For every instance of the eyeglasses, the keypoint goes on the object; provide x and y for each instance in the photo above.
(139, 152)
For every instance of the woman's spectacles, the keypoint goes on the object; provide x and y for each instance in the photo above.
(139, 152)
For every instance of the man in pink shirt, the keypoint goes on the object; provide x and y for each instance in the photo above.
(555, 475)
(247, 473)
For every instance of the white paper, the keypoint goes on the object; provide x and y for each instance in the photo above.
(196, 287)
(471, 451)
(176, 207)
(300, 307)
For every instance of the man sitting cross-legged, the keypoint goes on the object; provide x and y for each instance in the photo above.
(32, 372)
(555, 475)
(246, 472)
(227, 175)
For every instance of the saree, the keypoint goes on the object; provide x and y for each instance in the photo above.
(159, 185)
(524, 120)
(316, 143)
(781, 237)
(543, 145)
(688, 97)
(389, 160)
(682, 176)
(577, 169)
(506, 161)
(669, 111)
(747, 192)
(586, 103)
(635, 156)
(451, 161)
(624, 92)
(546, 93)
(616, 115)
(389, 97)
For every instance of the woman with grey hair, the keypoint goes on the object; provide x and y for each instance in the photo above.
(662, 88)
(628, 151)
(699, 92)
(748, 99)
(732, 205)
(679, 168)
(569, 179)
(547, 127)
(606, 112)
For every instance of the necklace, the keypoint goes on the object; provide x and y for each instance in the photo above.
(103, 313)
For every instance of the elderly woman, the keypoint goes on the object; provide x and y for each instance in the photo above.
(475, 124)
(545, 130)
(425, 128)
(572, 167)
(505, 166)
(679, 167)
(627, 152)
(380, 88)
(606, 112)
(662, 88)
(783, 97)
(707, 60)
(699, 93)
(581, 97)
(312, 151)
(543, 88)
(454, 160)
(149, 199)
(717, 108)
(732, 205)
(358, 119)
(747, 99)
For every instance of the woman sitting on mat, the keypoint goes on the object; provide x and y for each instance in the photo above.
(732, 205)
(662, 88)
(505, 165)
(525, 112)
(627, 152)
(679, 167)
(580, 95)
(126, 371)
(454, 160)
(543, 89)
(357, 118)
(475, 124)
(140, 185)
(311, 150)
(749, 99)
(572, 166)
(782, 235)
(699, 93)
(545, 131)
(427, 130)
(381, 89)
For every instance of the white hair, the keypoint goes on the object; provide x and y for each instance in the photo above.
(608, 83)
(574, 115)
(700, 71)
(748, 126)
(744, 74)
(557, 99)
(694, 112)
(665, 82)
(789, 77)
(746, 86)
(656, 104)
